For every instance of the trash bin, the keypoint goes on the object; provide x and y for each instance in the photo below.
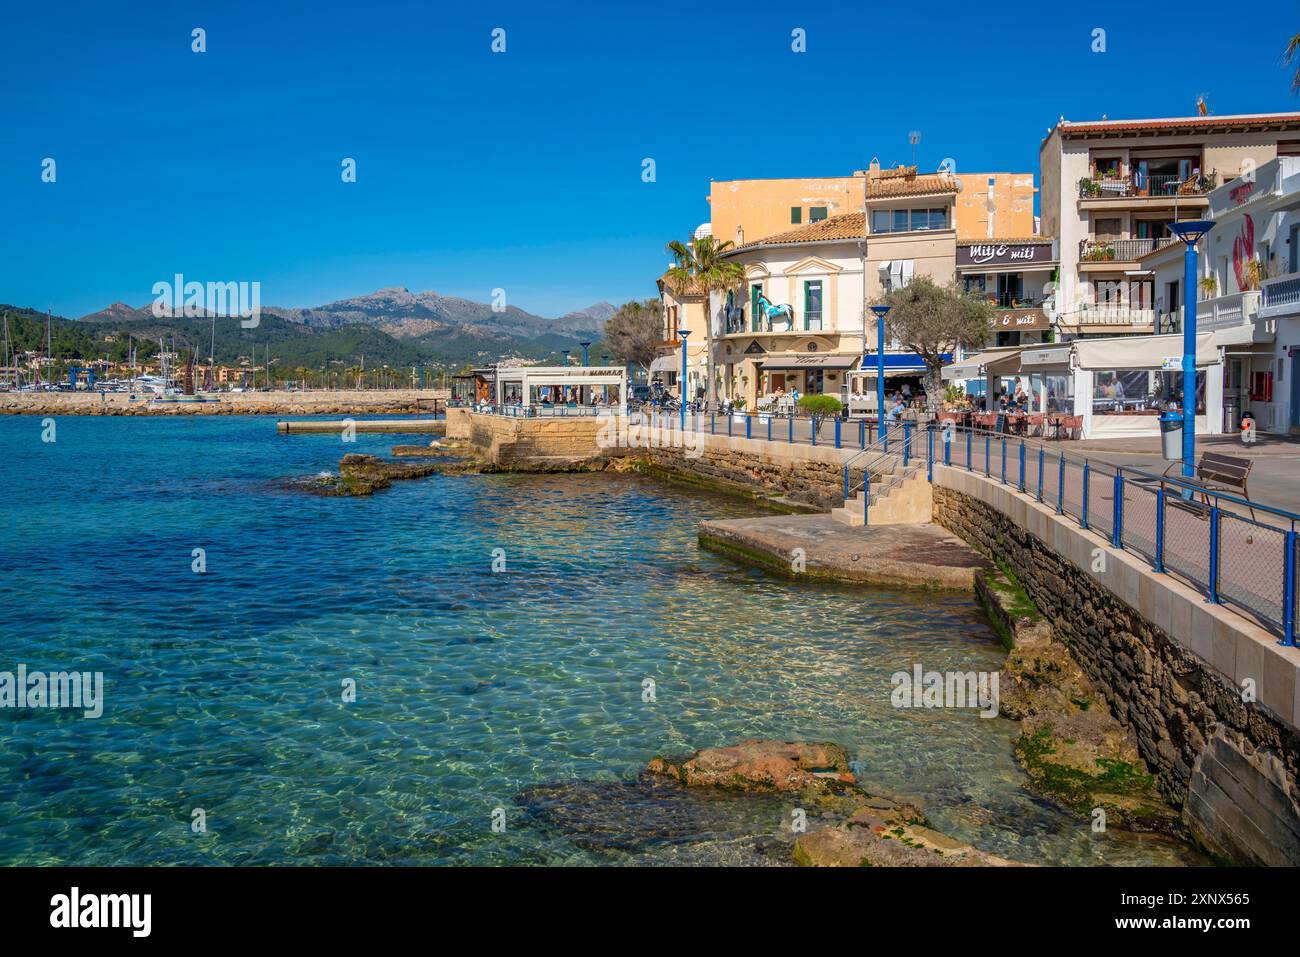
(1231, 413)
(1171, 436)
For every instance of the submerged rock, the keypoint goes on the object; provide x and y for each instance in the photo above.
(847, 825)
(418, 452)
(372, 467)
(653, 812)
(756, 765)
(362, 475)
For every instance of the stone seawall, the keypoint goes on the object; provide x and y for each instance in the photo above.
(1170, 666)
(559, 442)
(799, 475)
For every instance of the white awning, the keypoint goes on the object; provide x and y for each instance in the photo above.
(972, 367)
(1045, 358)
(1245, 334)
(666, 364)
(1141, 352)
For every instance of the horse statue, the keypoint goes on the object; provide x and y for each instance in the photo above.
(771, 311)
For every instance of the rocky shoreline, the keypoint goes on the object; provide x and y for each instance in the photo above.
(1075, 752)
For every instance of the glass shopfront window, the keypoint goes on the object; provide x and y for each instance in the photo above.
(1060, 393)
(1128, 391)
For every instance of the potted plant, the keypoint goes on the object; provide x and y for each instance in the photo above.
(1253, 271)
(1209, 286)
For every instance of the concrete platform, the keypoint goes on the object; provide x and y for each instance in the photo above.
(923, 556)
(394, 426)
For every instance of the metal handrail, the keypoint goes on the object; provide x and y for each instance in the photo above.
(1283, 621)
(1111, 468)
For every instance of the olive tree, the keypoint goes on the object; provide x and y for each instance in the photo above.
(933, 321)
(820, 406)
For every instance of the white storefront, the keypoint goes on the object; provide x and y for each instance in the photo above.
(1248, 287)
(1114, 388)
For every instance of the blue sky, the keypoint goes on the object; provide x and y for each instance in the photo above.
(521, 170)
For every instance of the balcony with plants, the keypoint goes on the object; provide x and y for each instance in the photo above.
(1113, 183)
(1120, 250)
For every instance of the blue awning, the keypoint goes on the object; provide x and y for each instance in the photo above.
(899, 363)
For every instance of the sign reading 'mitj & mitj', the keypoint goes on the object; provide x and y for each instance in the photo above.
(1004, 254)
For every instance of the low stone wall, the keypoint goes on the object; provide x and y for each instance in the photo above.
(1170, 665)
(538, 443)
(801, 475)
(458, 424)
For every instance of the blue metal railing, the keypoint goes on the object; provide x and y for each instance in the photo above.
(872, 460)
(1200, 535)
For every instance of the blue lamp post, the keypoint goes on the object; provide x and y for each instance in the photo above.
(682, 388)
(585, 346)
(881, 312)
(1190, 233)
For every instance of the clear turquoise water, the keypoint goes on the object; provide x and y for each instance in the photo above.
(223, 689)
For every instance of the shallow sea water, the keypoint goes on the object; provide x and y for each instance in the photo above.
(223, 689)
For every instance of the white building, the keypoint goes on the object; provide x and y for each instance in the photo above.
(1111, 188)
(1248, 292)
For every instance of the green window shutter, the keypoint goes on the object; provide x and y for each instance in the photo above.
(812, 302)
(816, 214)
(796, 215)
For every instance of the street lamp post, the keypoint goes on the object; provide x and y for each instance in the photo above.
(881, 312)
(681, 389)
(582, 397)
(1190, 233)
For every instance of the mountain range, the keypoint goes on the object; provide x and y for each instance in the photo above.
(391, 325)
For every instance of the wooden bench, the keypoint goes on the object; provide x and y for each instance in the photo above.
(1218, 472)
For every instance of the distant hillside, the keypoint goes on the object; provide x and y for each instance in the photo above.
(390, 326)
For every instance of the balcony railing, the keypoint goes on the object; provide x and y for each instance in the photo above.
(811, 320)
(1280, 295)
(1008, 300)
(1107, 314)
(1223, 312)
(1131, 185)
(1119, 250)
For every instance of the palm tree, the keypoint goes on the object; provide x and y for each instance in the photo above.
(1292, 53)
(701, 266)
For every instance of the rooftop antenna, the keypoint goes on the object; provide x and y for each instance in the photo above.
(914, 137)
(1202, 107)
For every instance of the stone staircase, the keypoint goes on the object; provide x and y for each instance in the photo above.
(898, 497)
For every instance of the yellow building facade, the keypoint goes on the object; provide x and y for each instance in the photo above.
(989, 205)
